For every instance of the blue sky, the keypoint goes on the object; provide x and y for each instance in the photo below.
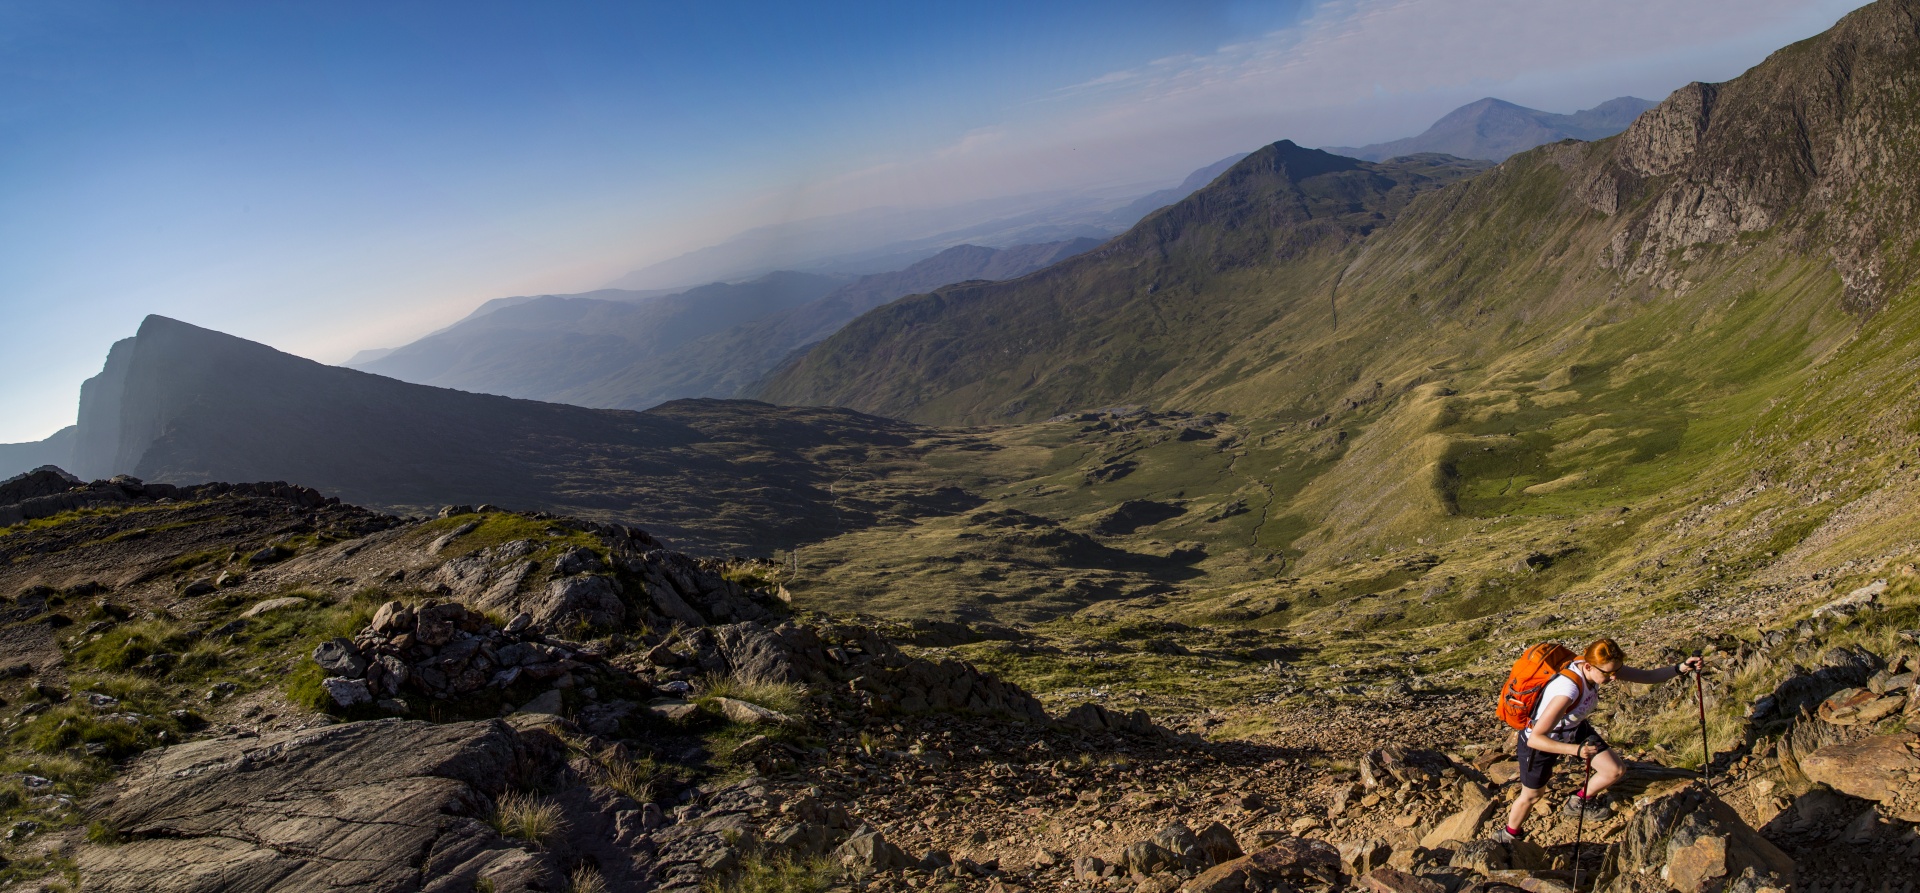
(330, 176)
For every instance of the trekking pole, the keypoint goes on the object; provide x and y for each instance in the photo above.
(1700, 697)
(1580, 824)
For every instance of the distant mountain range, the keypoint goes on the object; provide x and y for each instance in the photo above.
(1494, 129)
(732, 362)
(620, 349)
(875, 240)
(180, 404)
(541, 347)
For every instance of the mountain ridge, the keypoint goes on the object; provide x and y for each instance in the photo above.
(1494, 130)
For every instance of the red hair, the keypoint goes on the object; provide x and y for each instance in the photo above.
(1603, 653)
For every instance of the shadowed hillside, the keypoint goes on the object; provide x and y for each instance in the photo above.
(178, 403)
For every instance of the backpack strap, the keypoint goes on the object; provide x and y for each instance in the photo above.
(1579, 690)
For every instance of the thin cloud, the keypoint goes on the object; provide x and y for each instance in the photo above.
(1353, 71)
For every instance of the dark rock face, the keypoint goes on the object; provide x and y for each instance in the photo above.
(1809, 136)
(378, 806)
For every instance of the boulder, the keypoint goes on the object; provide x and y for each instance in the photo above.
(593, 601)
(273, 604)
(1396, 765)
(577, 561)
(347, 692)
(1362, 856)
(1146, 858)
(1302, 864)
(1465, 824)
(1684, 838)
(1478, 856)
(548, 703)
(870, 852)
(392, 619)
(1231, 876)
(1853, 602)
(446, 539)
(1216, 844)
(1180, 840)
(339, 657)
(1881, 768)
(1859, 706)
(370, 806)
(1393, 880)
(747, 713)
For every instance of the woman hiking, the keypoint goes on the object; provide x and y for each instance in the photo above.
(1560, 728)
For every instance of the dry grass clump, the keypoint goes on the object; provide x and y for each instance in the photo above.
(640, 779)
(527, 817)
(781, 697)
(761, 874)
(586, 879)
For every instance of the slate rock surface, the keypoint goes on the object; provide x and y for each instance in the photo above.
(376, 806)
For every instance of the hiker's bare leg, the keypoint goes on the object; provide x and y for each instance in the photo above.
(1607, 769)
(1518, 812)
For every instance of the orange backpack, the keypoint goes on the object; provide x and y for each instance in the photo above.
(1529, 677)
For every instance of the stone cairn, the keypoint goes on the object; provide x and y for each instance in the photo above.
(441, 650)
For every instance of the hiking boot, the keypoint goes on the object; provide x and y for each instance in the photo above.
(1500, 835)
(1589, 808)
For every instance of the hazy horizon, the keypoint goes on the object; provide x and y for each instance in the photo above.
(332, 178)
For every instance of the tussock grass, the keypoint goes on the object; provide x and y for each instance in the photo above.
(777, 874)
(640, 779)
(783, 697)
(586, 879)
(528, 817)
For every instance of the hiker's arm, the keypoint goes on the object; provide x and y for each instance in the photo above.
(1650, 677)
(1550, 714)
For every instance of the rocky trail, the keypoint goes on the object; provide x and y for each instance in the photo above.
(254, 688)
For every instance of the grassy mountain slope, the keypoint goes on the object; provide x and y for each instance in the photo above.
(1142, 316)
(1667, 372)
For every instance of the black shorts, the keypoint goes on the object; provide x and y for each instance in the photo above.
(1536, 766)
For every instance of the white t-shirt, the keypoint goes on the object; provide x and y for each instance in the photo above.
(1584, 697)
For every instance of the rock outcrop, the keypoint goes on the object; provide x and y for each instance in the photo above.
(376, 806)
(1881, 768)
(1684, 838)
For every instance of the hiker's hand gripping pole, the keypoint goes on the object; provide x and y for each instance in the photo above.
(1700, 697)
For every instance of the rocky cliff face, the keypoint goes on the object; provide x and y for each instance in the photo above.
(1817, 139)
